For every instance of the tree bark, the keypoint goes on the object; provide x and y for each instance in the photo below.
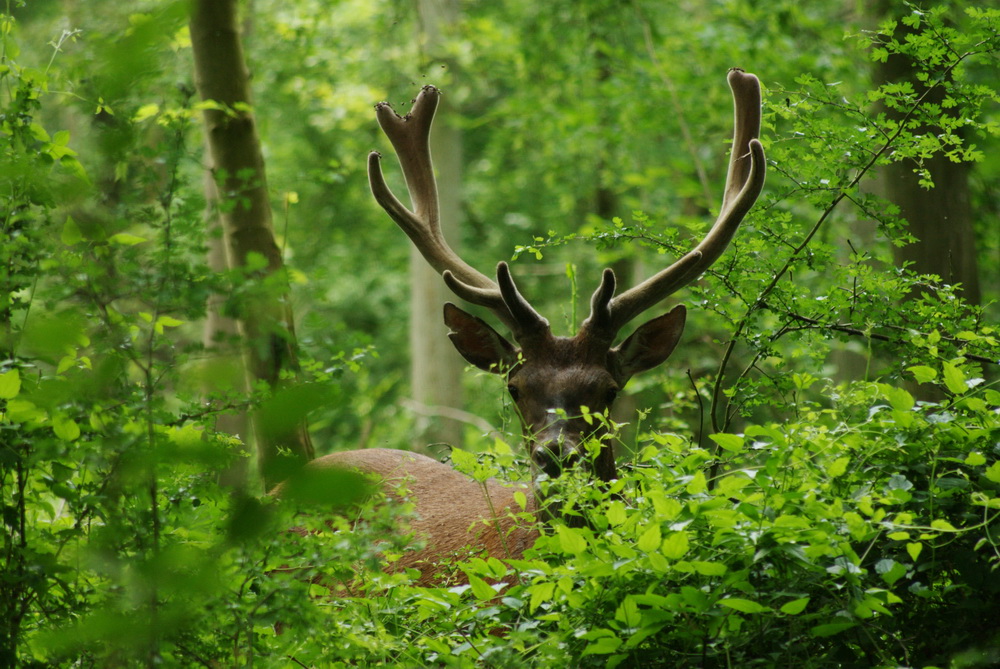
(265, 318)
(940, 218)
(435, 366)
(219, 329)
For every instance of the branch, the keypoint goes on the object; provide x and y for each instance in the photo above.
(793, 257)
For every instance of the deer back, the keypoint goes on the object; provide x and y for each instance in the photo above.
(454, 516)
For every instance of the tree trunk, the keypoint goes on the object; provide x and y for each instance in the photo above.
(940, 218)
(218, 332)
(436, 368)
(265, 318)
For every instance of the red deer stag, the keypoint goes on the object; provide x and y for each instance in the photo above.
(549, 377)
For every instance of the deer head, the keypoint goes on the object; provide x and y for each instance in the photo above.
(554, 380)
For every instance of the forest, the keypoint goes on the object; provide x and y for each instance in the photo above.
(205, 286)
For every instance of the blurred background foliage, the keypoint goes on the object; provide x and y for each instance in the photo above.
(594, 133)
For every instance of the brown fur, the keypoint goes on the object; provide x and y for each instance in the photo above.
(452, 512)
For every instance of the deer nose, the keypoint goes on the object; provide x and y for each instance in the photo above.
(553, 451)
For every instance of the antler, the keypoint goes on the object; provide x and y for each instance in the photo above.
(410, 136)
(743, 184)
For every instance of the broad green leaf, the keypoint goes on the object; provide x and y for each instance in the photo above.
(480, 588)
(830, 629)
(616, 513)
(667, 508)
(795, 607)
(730, 442)
(899, 399)
(166, 322)
(571, 540)
(743, 605)
(675, 545)
(922, 373)
(975, 459)
(540, 592)
(463, 460)
(943, 525)
(146, 111)
(890, 570)
(708, 568)
(603, 646)
(993, 472)
(697, 484)
(10, 384)
(658, 563)
(839, 467)
(71, 232)
(954, 378)
(650, 539)
(65, 428)
(125, 239)
(23, 411)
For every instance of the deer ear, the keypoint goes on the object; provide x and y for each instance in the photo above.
(651, 343)
(479, 343)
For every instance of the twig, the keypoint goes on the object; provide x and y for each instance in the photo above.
(793, 257)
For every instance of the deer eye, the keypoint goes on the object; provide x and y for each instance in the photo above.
(512, 389)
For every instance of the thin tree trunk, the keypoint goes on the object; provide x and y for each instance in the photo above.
(219, 332)
(265, 319)
(435, 367)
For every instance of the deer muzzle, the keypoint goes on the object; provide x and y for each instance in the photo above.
(558, 446)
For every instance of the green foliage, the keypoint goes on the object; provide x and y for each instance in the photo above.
(774, 510)
(864, 534)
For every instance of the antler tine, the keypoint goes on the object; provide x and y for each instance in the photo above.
(527, 321)
(410, 137)
(744, 182)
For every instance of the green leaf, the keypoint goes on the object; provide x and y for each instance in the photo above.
(540, 592)
(730, 442)
(830, 629)
(697, 484)
(125, 239)
(658, 563)
(975, 459)
(743, 605)
(23, 411)
(571, 540)
(616, 513)
(943, 525)
(899, 399)
(480, 588)
(146, 111)
(71, 232)
(675, 546)
(10, 384)
(166, 322)
(650, 539)
(954, 378)
(890, 570)
(463, 461)
(839, 467)
(993, 472)
(65, 428)
(922, 373)
(708, 568)
(795, 607)
(602, 646)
